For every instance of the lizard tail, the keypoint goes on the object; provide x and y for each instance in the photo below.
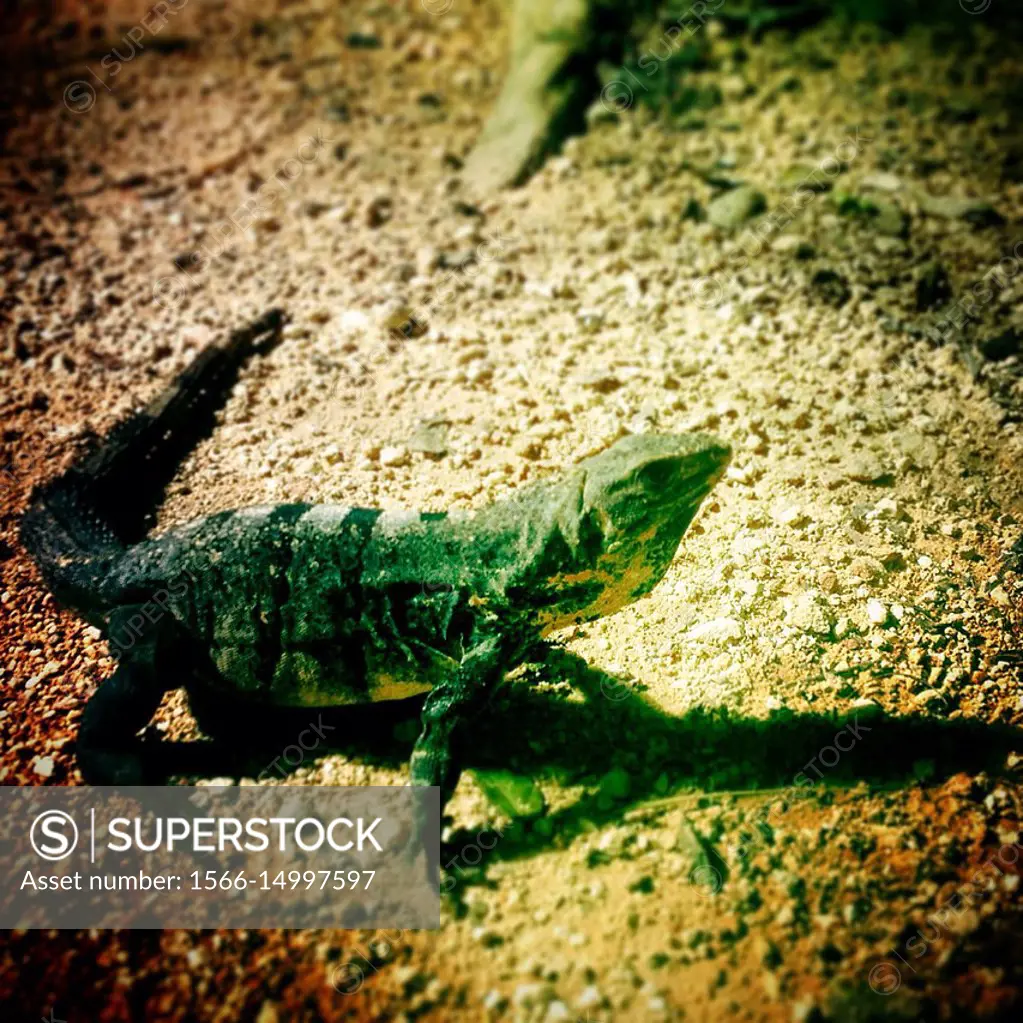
(79, 523)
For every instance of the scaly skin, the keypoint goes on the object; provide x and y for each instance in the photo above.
(323, 605)
(317, 605)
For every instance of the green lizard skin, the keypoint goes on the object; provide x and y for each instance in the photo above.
(315, 605)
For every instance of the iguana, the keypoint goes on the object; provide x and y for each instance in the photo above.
(316, 605)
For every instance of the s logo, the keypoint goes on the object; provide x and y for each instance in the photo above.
(54, 835)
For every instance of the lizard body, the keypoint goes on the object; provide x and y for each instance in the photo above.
(320, 605)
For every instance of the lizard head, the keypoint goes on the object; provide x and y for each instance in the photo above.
(643, 481)
(644, 492)
(638, 499)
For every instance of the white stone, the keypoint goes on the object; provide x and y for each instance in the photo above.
(393, 456)
(877, 612)
(810, 614)
(727, 630)
(589, 998)
(354, 320)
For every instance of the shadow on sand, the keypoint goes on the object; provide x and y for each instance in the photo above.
(579, 723)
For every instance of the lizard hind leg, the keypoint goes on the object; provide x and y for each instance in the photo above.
(108, 750)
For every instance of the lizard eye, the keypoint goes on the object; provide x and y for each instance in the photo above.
(657, 477)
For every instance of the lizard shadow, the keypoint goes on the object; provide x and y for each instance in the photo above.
(624, 751)
(579, 726)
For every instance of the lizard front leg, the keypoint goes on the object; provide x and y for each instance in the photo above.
(436, 757)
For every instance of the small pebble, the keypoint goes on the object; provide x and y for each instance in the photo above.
(394, 456)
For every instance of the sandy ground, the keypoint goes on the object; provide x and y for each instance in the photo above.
(845, 612)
